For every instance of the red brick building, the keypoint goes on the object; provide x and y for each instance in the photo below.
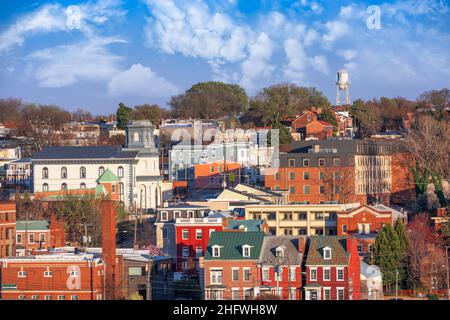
(365, 222)
(319, 129)
(191, 237)
(301, 121)
(52, 277)
(211, 175)
(280, 267)
(7, 229)
(230, 265)
(332, 269)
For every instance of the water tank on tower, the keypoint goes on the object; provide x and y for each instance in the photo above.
(343, 86)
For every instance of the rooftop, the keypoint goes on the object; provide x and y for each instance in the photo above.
(339, 253)
(231, 245)
(31, 225)
(102, 152)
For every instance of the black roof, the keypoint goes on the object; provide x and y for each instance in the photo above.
(102, 152)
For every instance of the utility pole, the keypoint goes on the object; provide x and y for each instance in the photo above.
(149, 279)
(396, 284)
(135, 231)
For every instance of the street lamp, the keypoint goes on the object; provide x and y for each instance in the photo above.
(396, 284)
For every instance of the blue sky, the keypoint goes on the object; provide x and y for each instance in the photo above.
(95, 54)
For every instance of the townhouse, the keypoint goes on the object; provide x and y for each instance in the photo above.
(332, 269)
(7, 229)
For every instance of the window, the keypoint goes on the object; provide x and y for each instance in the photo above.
(235, 274)
(291, 175)
(277, 176)
(31, 238)
(216, 251)
(184, 265)
(74, 273)
(48, 274)
(305, 175)
(340, 293)
(120, 172)
(327, 293)
(246, 274)
(22, 274)
(136, 137)
(246, 251)
(64, 186)
(216, 276)
(198, 234)
(279, 273)
(340, 274)
(293, 294)
(185, 251)
(63, 173)
(292, 190)
(326, 274)
(164, 233)
(121, 190)
(42, 237)
(83, 186)
(322, 189)
(313, 274)
(74, 297)
(45, 187)
(163, 215)
(100, 171)
(292, 273)
(360, 248)
(47, 297)
(185, 234)
(198, 251)
(220, 169)
(336, 162)
(21, 297)
(321, 175)
(291, 162)
(18, 238)
(302, 216)
(34, 297)
(211, 169)
(235, 294)
(265, 274)
(61, 297)
(135, 271)
(44, 173)
(327, 253)
(321, 162)
(306, 189)
(344, 228)
(82, 173)
(306, 162)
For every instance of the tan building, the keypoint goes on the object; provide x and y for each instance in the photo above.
(299, 219)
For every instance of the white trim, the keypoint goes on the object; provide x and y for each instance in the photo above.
(310, 269)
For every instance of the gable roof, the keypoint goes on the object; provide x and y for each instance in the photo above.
(96, 152)
(31, 225)
(231, 245)
(339, 253)
(271, 243)
(376, 211)
(251, 225)
(107, 177)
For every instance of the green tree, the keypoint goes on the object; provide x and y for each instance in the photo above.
(366, 116)
(284, 135)
(123, 115)
(210, 100)
(153, 112)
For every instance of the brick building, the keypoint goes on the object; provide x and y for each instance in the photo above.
(332, 269)
(342, 170)
(191, 237)
(212, 175)
(229, 267)
(280, 267)
(319, 129)
(52, 277)
(365, 222)
(7, 229)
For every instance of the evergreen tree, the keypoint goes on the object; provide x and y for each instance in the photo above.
(123, 115)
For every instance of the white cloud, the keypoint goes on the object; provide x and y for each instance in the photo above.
(297, 60)
(335, 30)
(65, 65)
(141, 82)
(347, 54)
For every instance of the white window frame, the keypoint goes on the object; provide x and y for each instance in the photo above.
(325, 289)
(292, 274)
(61, 297)
(22, 274)
(215, 271)
(47, 297)
(266, 277)
(19, 236)
(183, 235)
(215, 251)
(243, 274)
(232, 273)
(327, 253)
(48, 274)
(31, 238)
(329, 274)
(246, 251)
(198, 251)
(185, 251)
(310, 274)
(74, 273)
(338, 289)
(235, 291)
(197, 233)
(337, 274)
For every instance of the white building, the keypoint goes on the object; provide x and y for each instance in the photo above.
(136, 165)
(371, 282)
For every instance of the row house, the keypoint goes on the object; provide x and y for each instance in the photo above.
(52, 277)
(230, 266)
(365, 222)
(7, 229)
(332, 269)
(342, 170)
(19, 174)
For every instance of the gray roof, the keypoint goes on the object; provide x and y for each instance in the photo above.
(102, 152)
(250, 225)
(290, 243)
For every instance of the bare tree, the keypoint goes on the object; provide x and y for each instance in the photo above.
(339, 184)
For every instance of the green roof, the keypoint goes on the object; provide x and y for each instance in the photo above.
(251, 225)
(107, 177)
(231, 245)
(32, 225)
(339, 253)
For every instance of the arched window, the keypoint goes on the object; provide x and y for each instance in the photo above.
(121, 191)
(136, 137)
(83, 186)
(64, 186)
(45, 173)
(120, 172)
(63, 173)
(45, 187)
(82, 173)
(100, 171)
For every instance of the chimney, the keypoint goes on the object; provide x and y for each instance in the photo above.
(316, 148)
(109, 248)
(301, 244)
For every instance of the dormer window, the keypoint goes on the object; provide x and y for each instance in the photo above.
(242, 228)
(216, 251)
(327, 253)
(279, 251)
(246, 250)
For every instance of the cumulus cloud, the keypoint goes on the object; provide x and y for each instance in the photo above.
(65, 65)
(140, 81)
(335, 30)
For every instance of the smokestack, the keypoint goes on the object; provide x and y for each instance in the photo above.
(109, 248)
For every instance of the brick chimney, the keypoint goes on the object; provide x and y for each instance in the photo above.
(109, 248)
(301, 244)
